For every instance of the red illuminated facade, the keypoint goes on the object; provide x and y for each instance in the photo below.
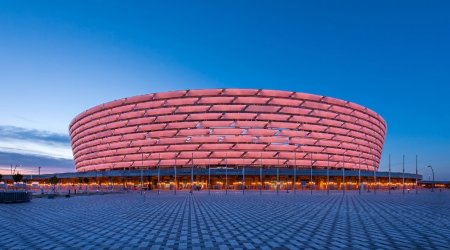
(227, 127)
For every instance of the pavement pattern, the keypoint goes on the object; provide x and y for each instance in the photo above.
(232, 221)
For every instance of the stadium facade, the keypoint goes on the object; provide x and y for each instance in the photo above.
(227, 127)
(231, 139)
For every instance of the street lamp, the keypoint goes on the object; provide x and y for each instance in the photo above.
(295, 171)
(374, 173)
(403, 175)
(374, 176)
(278, 173)
(175, 174)
(389, 174)
(295, 166)
(343, 173)
(359, 171)
(260, 175)
(159, 174)
(328, 174)
(226, 173)
(142, 178)
(192, 173)
(416, 171)
(243, 176)
(432, 171)
(311, 174)
(209, 174)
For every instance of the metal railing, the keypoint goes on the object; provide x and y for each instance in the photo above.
(15, 196)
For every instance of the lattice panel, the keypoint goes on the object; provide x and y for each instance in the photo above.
(227, 127)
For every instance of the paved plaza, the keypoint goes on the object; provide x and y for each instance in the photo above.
(219, 221)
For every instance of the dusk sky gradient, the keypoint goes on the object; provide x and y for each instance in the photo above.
(59, 58)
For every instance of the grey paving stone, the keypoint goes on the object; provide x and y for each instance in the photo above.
(233, 221)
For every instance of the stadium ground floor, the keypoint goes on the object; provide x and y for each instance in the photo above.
(249, 178)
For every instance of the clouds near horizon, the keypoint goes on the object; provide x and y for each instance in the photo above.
(30, 147)
(28, 164)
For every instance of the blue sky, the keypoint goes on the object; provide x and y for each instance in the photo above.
(58, 58)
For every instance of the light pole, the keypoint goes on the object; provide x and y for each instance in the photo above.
(328, 175)
(389, 186)
(374, 175)
(260, 175)
(175, 172)
(367, 175)
(192, 173)
(403, 175)
(311, 174)
(110, 178)
(278, 174)
(359, 172)
(343, 173)
(243, 178)
(142, 174)
(278, 177)
(159, 182)
(209, 174)
(295, 167)
(417, 159)
(432, 171)
(226, 173)
(295, 171)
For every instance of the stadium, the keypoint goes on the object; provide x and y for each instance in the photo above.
(232, 127)
(250, 138)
